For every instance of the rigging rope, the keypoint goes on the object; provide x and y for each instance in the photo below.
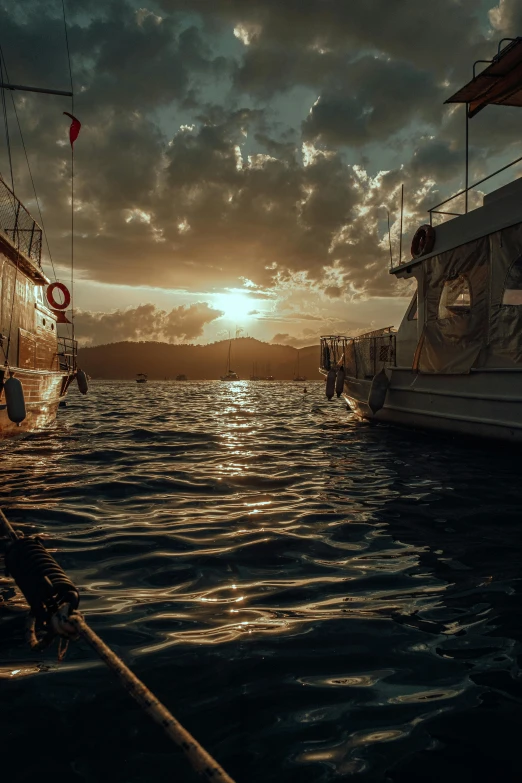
(72, 164)
(15, 228)
(30, 172)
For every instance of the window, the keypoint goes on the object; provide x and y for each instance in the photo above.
(513, 287)
(455, 298)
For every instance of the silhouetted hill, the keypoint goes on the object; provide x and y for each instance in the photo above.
(160, 360)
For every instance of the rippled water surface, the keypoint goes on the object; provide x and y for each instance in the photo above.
(315, 598)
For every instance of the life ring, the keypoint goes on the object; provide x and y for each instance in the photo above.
(66, 296)
(423, 241)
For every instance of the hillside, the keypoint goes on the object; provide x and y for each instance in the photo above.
(163, 360)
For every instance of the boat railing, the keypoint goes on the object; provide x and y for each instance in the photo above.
(18, 225)
(67, 352)
(436, 211)
(362, 356)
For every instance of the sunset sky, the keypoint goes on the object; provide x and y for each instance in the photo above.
(237, 158)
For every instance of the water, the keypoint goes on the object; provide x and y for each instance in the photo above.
(315, 598)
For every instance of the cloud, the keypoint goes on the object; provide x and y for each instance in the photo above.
(145, 322)
(273, 156)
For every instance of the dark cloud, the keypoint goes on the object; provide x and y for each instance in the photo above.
(186, 177)
(145, 322)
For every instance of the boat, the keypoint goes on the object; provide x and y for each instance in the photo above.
(298, 376)
(268, 376)
(141, 377)
(454, 364)
(255, 376)
(181, 377)
(37, 364)
(230, 375)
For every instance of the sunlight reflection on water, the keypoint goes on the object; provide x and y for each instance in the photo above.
(314, 597)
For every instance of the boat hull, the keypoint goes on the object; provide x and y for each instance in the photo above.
(485, 404)
(42, 392)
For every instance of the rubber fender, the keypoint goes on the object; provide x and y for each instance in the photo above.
(330, 384)
(378, 391)
(81, 380)
(15, 400)
(339, 382)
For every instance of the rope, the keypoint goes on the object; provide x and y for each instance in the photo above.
(72, 165)
(29, 168)
(8, 142)
(69, 626)
(201, 761)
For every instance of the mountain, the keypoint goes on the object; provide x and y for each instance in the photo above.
(159, 360)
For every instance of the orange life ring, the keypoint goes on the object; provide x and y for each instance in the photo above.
(423, 241)
(66, 296)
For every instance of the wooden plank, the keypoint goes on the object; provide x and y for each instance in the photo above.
(26, 350)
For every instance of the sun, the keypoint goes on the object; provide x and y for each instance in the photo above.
(235, 305)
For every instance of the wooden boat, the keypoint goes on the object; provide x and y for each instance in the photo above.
(31, 350)
(455, 363)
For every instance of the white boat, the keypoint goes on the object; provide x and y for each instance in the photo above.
(230, 375)
(455, 362)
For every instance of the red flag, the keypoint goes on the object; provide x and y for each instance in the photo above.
(74, 130)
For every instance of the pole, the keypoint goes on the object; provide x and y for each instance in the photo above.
(34, 89)
(402, 211)
(389, 240)
(467, 162)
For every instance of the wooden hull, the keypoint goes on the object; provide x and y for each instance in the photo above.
(484, 404)
(43, 392)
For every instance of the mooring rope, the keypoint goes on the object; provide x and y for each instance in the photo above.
(70, 625)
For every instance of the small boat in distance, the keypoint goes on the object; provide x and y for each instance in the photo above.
(141, 377)
(230, 375)
(268, 376)
(181, 377)
(299, 377)
(255, 376)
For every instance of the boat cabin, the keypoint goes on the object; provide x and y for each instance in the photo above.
(466, 313)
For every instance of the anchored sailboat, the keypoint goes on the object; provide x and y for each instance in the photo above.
(299, 377)
(230, 375)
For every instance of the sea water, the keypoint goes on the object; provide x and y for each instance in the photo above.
(315, 598)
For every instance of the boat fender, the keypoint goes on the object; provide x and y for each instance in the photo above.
(66, 296)
(378, 391)
(330, 384)
(423, 241)
(339, 383)
(14, 400)
(81, 380)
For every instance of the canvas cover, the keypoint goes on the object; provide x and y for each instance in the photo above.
(504, 342)
(451, 345)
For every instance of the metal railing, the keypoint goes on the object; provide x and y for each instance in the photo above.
(436, 211)
(67, 352)
(18, 225)
(362, 356)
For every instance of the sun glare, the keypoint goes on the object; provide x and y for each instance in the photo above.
(235, 305)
